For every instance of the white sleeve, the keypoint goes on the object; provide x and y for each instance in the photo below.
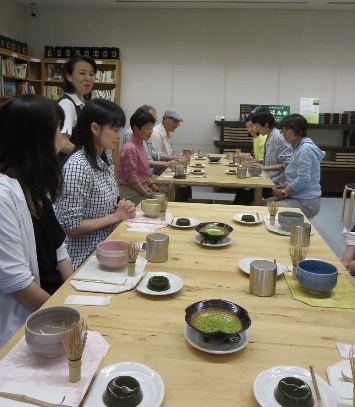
(70, 116)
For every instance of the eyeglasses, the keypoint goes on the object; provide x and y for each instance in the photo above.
(175, 121)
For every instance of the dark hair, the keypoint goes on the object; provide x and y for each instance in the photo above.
(297, 123)
(69, 68)
(262, 117)
(141, 117)
(28, 125)
(103, 112)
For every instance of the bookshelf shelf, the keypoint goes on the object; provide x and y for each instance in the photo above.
(337, 169)
(107, 84)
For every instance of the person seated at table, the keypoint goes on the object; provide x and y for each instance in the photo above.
(133, 176)
(301, 188)
(34, 261)
(87, 208)
(246, 196)
(348, 257)
(157, 160)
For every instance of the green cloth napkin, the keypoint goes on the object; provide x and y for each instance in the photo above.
(342, 296)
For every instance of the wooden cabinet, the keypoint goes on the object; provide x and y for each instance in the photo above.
(337, 168)
(19, 73)
(107, 84)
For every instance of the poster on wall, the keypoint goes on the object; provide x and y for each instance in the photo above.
(278, 111)
(309, 109)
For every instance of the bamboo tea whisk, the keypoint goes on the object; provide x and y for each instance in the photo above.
(73, 339)
(132, 252)
(272, 211)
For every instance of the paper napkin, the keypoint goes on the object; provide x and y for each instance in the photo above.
(342, 389)
(94, 278)
(141, 223)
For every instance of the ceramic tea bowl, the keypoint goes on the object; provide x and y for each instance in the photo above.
(317, 276)
(217, 320)
(213, 232)
(43, 329)
(254, 171)
(150, 207)
(111, 253)
(214, 159)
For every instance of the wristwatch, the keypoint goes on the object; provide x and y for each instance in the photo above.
(284, 193)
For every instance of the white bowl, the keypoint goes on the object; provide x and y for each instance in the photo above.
(44, 327)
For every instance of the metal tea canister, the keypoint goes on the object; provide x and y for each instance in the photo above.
(157, 247)
(263, 275)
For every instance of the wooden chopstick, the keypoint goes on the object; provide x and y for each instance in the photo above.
(315, 385)
(87, 391)
(25, 399)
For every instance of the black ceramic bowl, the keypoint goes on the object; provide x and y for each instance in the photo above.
(123, 391)
(214, 159)
(293, 392)
(213, 232)
(217, 320)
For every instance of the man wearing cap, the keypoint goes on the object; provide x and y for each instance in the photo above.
(160, 137)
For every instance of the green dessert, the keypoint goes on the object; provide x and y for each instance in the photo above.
(183, 222)
(248, 218)
(293, 392)
(158, 283)
(123, 391)
(218, 322)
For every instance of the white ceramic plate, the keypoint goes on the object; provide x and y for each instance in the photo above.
(267, 380)
(214, 162)
(200, 158)
(197, 172)
(149, 380)
(175, 281)
(232, 165)
(224, 242)
(238, 218)
(193, 223)
(231, 172)
(196, 340)
(244, 265)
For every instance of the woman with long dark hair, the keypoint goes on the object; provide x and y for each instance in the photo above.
(33, 258)
(87, 209)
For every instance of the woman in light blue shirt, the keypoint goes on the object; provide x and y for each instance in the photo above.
(302, 186)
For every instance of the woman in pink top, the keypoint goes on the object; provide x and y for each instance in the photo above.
(133, 166)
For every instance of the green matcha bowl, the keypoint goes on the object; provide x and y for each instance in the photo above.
(213, 232)
(217, 320)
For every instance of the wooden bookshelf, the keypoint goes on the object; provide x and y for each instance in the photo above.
(337, 169)
(19, 73)
(107, 84)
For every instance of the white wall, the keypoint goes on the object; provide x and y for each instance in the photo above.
(206, 62)
(13, 20)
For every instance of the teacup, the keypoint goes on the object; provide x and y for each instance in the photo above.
(150, 208)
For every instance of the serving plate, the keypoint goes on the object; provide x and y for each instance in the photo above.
(149, 380)
(200, 158)
(231, 173)
(244, 265)
(196, 340)
(198, 165)
(232, 165)
(224, 242)
(193, 222)
(214, 162)
(266, 381)
(238, 218)
(197, 172)
(175, 281)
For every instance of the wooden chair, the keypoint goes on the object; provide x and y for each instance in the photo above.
(348, 188)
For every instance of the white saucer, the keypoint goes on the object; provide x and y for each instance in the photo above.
(231, 173)
(198, 166)
(214, 162)
(266, 381)
(232, 165)
(224, 242)
(196, 340)
(150, 381)
(175, 281)
(193, 223)
(200, 158)
(244, 265)
(238, 218)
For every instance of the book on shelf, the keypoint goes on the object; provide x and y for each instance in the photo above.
(21, 70)
(104, 94)
(53, 92)
(9, 88)
(22, 87)
(8, 67)
(55, 72)
(106, 76)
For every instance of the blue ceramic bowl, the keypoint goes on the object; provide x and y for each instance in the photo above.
(317, 276)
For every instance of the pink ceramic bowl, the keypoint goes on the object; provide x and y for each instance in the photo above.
(111, 254)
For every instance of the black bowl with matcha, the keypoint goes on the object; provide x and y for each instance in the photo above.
(213, 232)
(217, 320)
